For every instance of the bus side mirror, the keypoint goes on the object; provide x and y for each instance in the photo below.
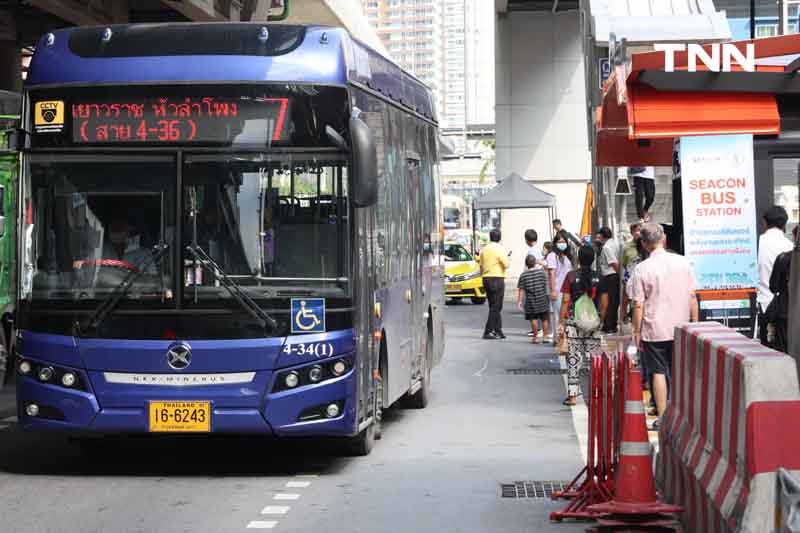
(365, 164)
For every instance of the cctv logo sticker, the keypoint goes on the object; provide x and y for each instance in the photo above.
(49, 117)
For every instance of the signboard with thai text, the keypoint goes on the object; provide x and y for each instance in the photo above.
(719, 211)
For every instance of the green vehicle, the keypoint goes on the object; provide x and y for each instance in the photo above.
(9, 162)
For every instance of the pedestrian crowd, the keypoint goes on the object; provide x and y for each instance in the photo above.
(572, 291)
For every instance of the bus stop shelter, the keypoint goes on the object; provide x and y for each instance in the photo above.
(646, 108)
(514, 192)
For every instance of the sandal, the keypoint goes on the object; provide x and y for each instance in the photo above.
(547, 340)
(570, 401)
(535, 340)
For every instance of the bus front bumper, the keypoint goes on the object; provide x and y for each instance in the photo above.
(235, 408)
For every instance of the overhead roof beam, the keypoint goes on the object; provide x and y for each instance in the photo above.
(81, 15)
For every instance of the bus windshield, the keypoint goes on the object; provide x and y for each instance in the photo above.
(271, 224)
(91, 222)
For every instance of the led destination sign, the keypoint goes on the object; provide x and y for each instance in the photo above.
(157, 120)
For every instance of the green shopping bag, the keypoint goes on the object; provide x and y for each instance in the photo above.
(587, 319)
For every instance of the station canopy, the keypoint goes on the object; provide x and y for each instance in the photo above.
(644, 107)
(514, 192)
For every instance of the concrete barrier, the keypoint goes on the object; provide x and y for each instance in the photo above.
(732, 420)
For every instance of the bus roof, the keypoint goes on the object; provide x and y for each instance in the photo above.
(220, 52)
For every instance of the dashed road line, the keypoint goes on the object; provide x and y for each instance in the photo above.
(9, 419)
(286, 496)
(301, 482)
(262, 524)
(275, 509)
(2, 427)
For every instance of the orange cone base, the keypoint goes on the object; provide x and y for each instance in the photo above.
(625, 508)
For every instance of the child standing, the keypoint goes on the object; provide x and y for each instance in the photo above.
(533, 284)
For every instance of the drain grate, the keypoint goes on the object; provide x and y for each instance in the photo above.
(543, 371)
(531, 489)
(535, 371)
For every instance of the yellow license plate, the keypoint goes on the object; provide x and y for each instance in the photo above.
(453, 288)
(187, 417)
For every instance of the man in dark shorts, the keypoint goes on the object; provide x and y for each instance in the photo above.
(663, 298)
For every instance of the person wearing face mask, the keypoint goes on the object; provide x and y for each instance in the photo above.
(559, 264)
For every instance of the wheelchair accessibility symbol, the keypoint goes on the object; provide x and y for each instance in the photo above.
(308, 315)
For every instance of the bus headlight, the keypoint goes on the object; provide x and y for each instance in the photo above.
(315, 374)
(339, 368)
(24, 367)
(332, 411)
(68, 379)
(45, 373)
(291, 380)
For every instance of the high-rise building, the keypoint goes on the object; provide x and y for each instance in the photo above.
(468, 63)
(412, 32)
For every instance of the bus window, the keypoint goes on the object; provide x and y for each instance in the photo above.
(266, 223)
(93, 223)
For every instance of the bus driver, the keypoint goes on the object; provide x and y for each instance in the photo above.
(125, 246)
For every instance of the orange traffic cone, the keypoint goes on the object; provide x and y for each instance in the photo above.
(634, 486)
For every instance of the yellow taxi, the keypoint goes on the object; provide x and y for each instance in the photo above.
(462, 274)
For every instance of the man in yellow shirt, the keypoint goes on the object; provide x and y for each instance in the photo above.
(494, 263)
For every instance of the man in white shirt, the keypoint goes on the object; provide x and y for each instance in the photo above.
(771, 244)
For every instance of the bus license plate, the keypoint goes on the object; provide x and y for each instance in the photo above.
(453, 288)
(191, 417)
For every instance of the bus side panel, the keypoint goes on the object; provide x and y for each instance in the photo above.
(391, 279)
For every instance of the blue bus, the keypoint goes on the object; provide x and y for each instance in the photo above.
(226, 227)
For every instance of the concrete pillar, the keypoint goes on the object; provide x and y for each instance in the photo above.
(10, 66)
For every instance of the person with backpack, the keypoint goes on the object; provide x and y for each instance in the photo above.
(580, 320)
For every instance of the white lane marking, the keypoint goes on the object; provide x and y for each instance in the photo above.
(286, 496)
(9, 419)
(298, 484)
(480, 372)
(307, 476)
(262, 524)
(275, 509)
(2, 427)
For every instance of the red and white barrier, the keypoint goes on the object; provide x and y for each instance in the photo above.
(733, 418)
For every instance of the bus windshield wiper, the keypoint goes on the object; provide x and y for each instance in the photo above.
(247, 303)
(106, 306)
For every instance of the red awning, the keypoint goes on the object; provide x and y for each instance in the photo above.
(637, 123)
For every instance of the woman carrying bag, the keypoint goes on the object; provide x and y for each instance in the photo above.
(579, 319)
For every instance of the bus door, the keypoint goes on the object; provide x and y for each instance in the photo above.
(416, 275)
